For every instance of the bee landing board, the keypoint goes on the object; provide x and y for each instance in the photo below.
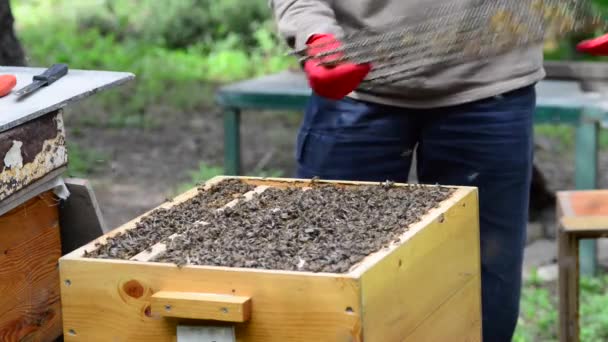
(285, 260)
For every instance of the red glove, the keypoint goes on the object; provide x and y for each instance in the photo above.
(596, 46)
(334, 82)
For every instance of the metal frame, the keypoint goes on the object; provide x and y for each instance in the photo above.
(288, 91)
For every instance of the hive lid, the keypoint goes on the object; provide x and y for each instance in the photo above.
(74, 86)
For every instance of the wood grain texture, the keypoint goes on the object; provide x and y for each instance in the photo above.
(425, 277)
(108, 300)
(30, 246)
(407, 286)
(568, 286)
(583, 211)
(207, 306)
(457, 319)
(568, 266)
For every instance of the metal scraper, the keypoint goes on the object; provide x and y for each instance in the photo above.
(48, 77)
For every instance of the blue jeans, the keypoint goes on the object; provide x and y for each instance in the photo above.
(487, 144)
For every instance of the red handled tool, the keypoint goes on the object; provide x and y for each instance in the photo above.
(595, 46)
(7, 83)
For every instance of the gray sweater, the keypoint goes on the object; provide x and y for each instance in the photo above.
(297, 20)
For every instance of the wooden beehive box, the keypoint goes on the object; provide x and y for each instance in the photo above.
(398, 274)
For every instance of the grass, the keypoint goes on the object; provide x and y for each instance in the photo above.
(82, 162)
(87, 35)
(565, 135)
(539, 318)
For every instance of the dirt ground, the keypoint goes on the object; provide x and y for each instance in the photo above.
(142, 167)
(145, 166)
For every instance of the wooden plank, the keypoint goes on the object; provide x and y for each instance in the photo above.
(580, 224)
(109, 300)
(568, 275)
(30, 307)
(457, 319)
(585, 203)
(583, 212)
(406, 285)
(207, 306)
(76, 85)
(31, 151)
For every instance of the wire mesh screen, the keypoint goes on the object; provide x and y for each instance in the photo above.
(406, 47)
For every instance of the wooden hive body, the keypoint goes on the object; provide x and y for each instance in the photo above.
(30, 245)
(425, 287)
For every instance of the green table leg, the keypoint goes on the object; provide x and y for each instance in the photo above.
(232, 141)
(586, 178)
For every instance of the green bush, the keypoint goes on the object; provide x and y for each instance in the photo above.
(177, 50)
(180, 24)
(539, 319)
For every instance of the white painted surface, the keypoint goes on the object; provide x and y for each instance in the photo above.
(76, 85)
(14, 158)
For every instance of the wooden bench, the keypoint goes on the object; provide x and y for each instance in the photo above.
(564, 97)
(581, 215)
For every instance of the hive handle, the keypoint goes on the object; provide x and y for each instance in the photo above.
(205, 306)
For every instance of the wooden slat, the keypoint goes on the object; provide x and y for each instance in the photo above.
(30, 246)
(158, 248)
(568, 266)
(207, 306)
(568, 286)
(153, 251)
(592, 224)
(78, 253)
(407, 285)
(246, 197)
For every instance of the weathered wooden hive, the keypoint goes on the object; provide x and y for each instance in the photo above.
(35, 222)
(284, 260)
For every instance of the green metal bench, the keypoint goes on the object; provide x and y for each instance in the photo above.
(558, 102)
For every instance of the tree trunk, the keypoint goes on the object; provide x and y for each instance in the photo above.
(11, 52)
